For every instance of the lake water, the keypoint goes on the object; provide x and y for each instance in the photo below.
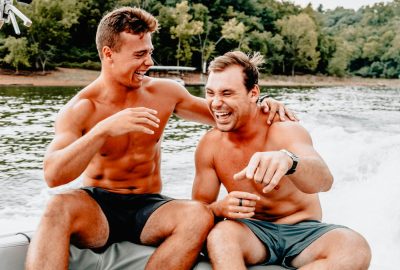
(356, 130)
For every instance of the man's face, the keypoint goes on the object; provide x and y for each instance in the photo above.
(228, 99)
(133, 59)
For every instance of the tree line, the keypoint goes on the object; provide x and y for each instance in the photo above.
(294, 40)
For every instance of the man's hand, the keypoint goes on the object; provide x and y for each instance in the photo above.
(130, 120)
(273, 106)
(238, 204)
(266, 168)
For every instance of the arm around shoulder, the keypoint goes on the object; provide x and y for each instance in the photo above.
(190, 107)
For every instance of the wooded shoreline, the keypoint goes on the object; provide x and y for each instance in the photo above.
(82, 77)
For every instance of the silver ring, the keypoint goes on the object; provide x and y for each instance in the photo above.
(240, 202)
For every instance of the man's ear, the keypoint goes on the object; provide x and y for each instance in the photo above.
(254, 93)
(107, 52)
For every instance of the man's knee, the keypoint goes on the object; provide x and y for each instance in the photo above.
(349, 242)
(198, 215)
(362, 258)
(63, 208)
(224, 232)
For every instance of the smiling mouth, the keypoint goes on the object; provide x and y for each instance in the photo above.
(222, 115)
(140, 74)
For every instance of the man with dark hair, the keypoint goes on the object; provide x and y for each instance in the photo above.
(110, 133)
(272, 174)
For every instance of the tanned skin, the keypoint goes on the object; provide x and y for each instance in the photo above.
(110, 132)
(243, 155)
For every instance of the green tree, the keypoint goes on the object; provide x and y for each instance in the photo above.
(275, 57)
(184, 30)
(339, 62)
(206, 46)
(50, 30)
(301, 39)
(232, 30)
(18, 52)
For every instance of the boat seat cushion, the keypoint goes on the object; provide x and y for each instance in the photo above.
(120, 256)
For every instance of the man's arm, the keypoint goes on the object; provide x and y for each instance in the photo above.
(195, 109)
(312, 174)
(71, 151)
(206, 184)
(206, 187)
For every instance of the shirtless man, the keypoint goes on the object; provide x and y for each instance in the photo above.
(272, 175)
(110, 133)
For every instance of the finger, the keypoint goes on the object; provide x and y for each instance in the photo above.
(240, 175)
(145, 121)
(240, 215)
(244, 195)
(144, 130)
(282, 113)
(252, 166)
(242, 209)
(271, 114)
(150, 116)
(143, 109)
(272, 167)
(261, 169)
(248, 203)
(291, 115)
(280, 172)
(265, 106)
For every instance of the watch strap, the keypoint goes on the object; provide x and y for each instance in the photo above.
(295, 160)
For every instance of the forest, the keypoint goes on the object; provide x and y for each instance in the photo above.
(294, 40)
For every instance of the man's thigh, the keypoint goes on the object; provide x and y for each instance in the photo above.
(253, 250)
(168, 218)
(331, 244)
(89, 226)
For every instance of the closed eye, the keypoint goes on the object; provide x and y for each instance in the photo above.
(227, 93)
(209, 92)
(143, 53)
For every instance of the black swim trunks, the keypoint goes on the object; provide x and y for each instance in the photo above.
(126, 213)
(286, 241)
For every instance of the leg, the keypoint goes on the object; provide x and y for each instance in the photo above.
(232, 245)
(180, 229)
(72, 215)
(337, 249)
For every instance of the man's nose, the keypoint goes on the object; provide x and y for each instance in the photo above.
(149, 61)
(216, 101)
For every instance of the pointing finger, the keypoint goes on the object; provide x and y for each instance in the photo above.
(240, 175)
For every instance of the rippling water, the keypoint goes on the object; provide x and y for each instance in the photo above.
(356, 130)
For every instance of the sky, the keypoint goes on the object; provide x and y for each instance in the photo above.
(332, 4)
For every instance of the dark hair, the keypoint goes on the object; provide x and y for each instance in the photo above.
(124, 19)
(248, 63)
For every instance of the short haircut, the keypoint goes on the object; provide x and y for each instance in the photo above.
(125, 19)
(249, 64)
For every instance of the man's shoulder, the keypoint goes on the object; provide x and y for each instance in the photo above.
(212, 136)
(287, 132)
(285, 126)
(81, 106)
(83, 99)
(152, 82)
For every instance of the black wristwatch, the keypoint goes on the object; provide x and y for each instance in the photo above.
(294, 158)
